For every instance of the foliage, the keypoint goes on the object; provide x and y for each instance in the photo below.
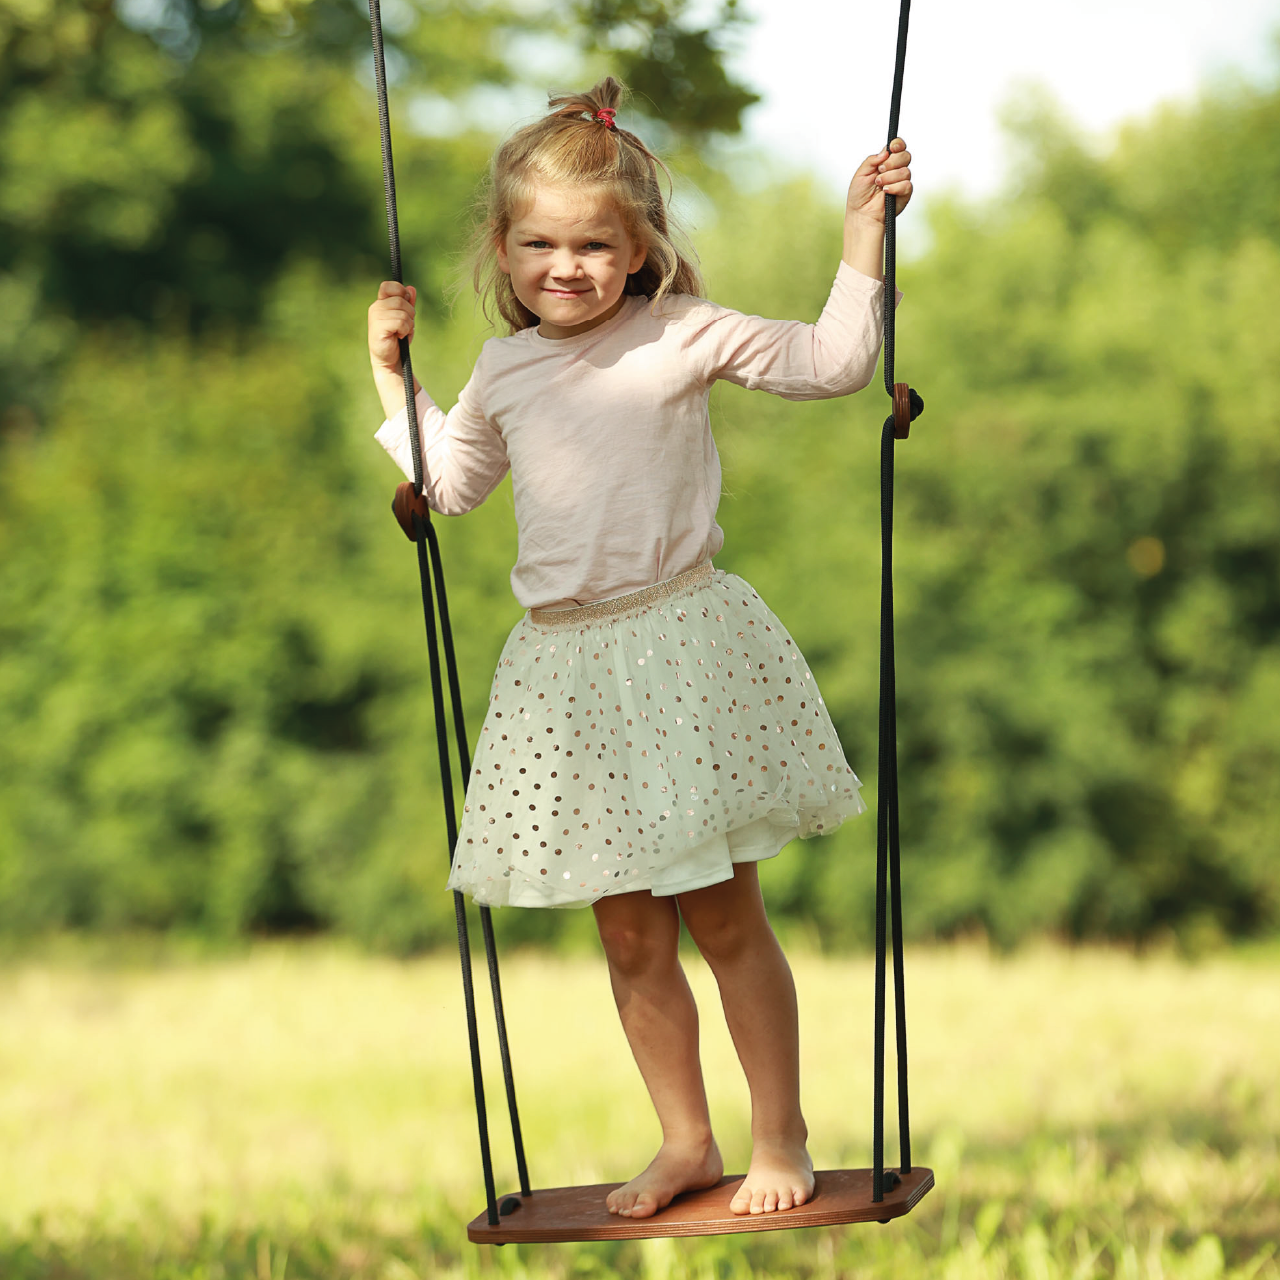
(213, 711)
(676, 69)
(164, 163)
(1087, 558)
(1095, 581)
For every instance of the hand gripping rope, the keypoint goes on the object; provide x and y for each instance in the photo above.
(907, 405)
(414, 515)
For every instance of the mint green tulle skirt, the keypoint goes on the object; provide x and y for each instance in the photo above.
(649, 747)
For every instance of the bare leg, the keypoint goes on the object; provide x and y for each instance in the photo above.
(641, 935)
(729, 924)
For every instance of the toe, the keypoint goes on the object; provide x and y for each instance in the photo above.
(757, 1201)
(770, 1201)
(784, 1200)
(646, 1205)
(741, 1202)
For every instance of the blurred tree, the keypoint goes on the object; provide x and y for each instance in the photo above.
(676, 69)
(1175, 178)
(176, 168)
(163, 161)
(212, 704)
(210, 651)
(1088, 555)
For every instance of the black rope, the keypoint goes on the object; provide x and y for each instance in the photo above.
(891, 202)
(884, 797)
(890, 284)
(888, 847)
(393, 231)
(420, 528)
(486, 916)
(429, 562)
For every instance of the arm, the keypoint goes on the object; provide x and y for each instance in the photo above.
(792, 359)
(837, 355)
(463, 456)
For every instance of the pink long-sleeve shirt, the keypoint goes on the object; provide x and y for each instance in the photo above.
(615, 474)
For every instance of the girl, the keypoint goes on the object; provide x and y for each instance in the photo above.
(653, 731)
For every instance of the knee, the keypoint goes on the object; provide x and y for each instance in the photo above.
(632, 949)
(722, 936)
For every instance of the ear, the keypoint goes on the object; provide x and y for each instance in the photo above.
(639, 253)
(504, 262)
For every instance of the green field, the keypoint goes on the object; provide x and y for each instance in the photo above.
(304, 1111)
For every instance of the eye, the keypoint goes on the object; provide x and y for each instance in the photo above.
(597, 244)
(537, 244)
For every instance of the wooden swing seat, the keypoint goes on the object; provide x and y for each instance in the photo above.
(561, 1214)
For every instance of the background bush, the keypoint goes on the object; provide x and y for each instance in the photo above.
(213, 705)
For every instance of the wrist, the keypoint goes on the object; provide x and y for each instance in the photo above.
(393, 376)
(864, 245)
(863, 228)
(390, 384)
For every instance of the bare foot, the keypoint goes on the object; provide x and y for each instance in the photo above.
(780, 1177)
(674, 1169)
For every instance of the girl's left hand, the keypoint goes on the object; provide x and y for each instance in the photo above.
(886, 171)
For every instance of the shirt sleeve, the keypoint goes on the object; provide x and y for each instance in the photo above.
(463, 455)
(792, 359)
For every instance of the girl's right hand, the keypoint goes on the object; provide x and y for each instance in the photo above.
(390, 319)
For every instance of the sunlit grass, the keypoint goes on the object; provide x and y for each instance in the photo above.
(306, 1110)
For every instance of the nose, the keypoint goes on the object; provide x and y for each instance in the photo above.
(565, 264)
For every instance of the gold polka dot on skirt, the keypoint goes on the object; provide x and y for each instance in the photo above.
(647, 750)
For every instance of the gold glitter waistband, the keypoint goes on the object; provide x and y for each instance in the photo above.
(603, 610)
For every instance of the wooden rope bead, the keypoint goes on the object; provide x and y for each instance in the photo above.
(404, 504)
(901, 410)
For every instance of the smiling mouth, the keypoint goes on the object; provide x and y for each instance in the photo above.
(567, 293)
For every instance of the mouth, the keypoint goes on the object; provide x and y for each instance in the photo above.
(566, 293)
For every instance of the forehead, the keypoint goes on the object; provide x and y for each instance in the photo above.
(567, 210)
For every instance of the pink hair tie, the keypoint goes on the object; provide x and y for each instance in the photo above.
(605, 116)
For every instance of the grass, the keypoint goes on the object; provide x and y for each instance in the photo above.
(305, 1111)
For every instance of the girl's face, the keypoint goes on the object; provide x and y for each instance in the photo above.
(568, 255)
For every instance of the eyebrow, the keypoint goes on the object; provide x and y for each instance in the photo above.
(590, 233)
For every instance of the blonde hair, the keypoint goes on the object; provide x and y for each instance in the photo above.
(573, 147)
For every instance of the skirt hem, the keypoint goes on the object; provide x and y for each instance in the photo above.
(703, 871)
